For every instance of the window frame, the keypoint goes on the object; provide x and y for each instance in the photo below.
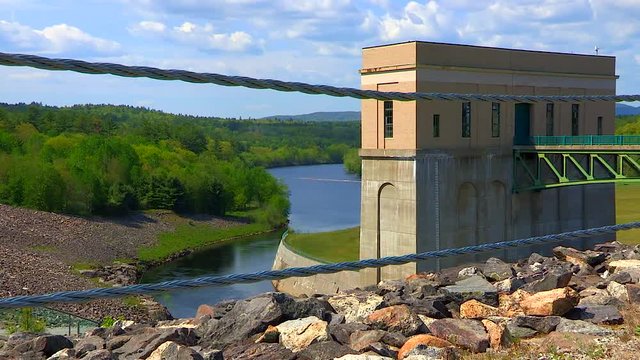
(550, 124)
(387, 113)
(436, 125)
(495, 120)
(599, 124)
(466, 119)
(575, 119)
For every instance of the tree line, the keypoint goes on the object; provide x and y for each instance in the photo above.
(105, 159)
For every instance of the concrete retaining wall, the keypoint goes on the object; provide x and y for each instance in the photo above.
(317, 284)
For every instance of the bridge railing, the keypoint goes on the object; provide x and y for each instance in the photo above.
(584, 140)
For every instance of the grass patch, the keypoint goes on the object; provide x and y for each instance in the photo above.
(628, 210)
(84, 266)
(333, 246)
(193, 236)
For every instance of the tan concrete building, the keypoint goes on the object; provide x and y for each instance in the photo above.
(438, 174)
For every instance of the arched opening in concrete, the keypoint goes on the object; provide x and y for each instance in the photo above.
(388, 212)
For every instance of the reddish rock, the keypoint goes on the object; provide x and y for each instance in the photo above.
(469, 334)
(510, 303)
(474, 309)
(361, 340)
(552, 302)
(203, 310)
(395, 318)
(422, 339)
(496, 333)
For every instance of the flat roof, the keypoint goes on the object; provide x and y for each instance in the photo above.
(486, 47)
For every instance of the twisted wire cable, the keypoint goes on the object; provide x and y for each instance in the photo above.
(140, 289)
(85, 67)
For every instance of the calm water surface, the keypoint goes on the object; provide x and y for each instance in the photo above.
(323, 198)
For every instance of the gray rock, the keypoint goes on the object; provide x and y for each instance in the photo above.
(474, 287)
(622, 277)
(214, 354)
(64, 354)
(98, 355)
(543, 324)
(633, 293)
(469, 271)
(342, 332)
(117, 342)
(583, 327)
(497, 270)
(422, 352)
(596, 314)
(326, 350)
(536, 258)
(172, 350)
(557, 277)
(387, 286)
(142, 345)
(89, 343)
(588, 257)
(509, 285)
(395, 339)
(383, 349)
(360, 340)
(262, 351)
(469, 334)
(51, 344)
(519, 332)
(420, 288)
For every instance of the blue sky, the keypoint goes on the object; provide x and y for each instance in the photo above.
(298, 40)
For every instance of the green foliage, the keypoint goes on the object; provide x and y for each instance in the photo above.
(628, 125)
(352, 162)
(636, 331)
(109, 321)
(113, 159)
(26, 322)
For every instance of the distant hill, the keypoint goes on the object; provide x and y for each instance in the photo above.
(320, 116)
(623, 110)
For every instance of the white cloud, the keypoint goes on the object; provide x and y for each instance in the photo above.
(150, 26)
(203, 37)
(417, 20)
(61, 38)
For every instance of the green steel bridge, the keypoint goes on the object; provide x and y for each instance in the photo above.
(545, 162)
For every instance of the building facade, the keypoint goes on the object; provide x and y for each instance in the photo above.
(439, 174)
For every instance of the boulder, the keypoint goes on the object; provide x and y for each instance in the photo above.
(557, 277)
(356, 306)
(98, 355)
(117, 342)
(630, 266)
(518, 332)
(50, 344)
(618, 291)
(509, 285)
(633, 293)
(497, 270)
(431, 306)
(469, 271)
(474, 287)
(596, 314)
(147, 341)
(422, 352)
(510, 303)
(621, 277)
(387, 286)
(363, 357)
(297, 334)
(576, 257)
(262, 351)
(496, 333)
(421, 340)
(212, 354)
(419, 288)
(542, 324)
(469, 334)
(271, 335)
(361, 340)
(326, 350)
(342, 332)
(87, 344)
(474, 309)
(552, 302)
(582, 327)
(395, 318)
(172, 350)
(64, 354)
(595, 296)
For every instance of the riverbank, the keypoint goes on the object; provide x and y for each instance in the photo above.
(43, 252)
(572, 305)
(327, 247)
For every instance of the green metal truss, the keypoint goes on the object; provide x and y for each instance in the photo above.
(539, 169)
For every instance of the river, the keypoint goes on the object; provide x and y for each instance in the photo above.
(323, 198)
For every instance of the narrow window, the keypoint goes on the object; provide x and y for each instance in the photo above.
(495, 119)
(466, 119)
(388, 119)
(599, 125)
(575, 115)
(550, 119)
(436, 125)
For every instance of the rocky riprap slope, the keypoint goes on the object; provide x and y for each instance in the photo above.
(577, 304)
